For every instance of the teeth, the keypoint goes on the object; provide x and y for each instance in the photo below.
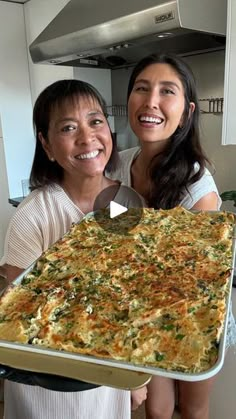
(150, 119)
(90, 155)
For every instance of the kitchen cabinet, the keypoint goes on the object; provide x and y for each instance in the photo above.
(229, 120)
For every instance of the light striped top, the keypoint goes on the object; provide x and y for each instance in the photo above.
(29, 402)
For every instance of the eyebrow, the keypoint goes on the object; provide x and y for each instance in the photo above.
(91, 113)
(163, 82)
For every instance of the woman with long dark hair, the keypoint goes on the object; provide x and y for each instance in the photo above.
(169, 169)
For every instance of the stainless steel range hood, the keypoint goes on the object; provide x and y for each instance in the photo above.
(117, 33)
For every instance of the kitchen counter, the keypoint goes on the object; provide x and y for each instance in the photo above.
(15, 201)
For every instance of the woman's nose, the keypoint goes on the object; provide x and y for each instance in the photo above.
(85, 135)
(152, 100)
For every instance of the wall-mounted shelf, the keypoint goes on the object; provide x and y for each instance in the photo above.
(117, 110)
(212, 105)
(208, 106)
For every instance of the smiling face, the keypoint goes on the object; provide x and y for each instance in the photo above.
(79, 138)
(156, 103)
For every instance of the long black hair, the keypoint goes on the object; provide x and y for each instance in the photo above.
(175, 171)
(43, 170)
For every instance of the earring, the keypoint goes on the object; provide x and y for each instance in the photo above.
(52, 159)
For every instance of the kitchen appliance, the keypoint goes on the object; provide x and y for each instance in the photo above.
(111, 34)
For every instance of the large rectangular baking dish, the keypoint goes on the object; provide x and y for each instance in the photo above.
(98, 370)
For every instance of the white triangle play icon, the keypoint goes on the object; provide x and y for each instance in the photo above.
(116, 209)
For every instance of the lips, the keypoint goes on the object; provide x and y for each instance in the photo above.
(89, 155)
(150, 119)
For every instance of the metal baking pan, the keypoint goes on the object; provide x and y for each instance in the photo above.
(99, 371)
(63, 371)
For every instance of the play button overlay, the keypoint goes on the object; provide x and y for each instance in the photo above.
(116, 209)
(123, 209)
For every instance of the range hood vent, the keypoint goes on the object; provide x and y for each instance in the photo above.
(114, 34)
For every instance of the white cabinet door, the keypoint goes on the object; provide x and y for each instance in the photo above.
(229, 118)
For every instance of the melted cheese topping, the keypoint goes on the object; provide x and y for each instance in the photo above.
(154, 297)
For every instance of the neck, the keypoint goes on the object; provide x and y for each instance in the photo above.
(84, 192)
(140, 169)
(149, 150)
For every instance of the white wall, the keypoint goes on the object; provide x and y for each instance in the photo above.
(99, 78)
(15, 99)
(209, 73)
(16, 140)
(125, 136)
(38, 14)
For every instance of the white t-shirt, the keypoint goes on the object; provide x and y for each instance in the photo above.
(197, 190)
(41, 219)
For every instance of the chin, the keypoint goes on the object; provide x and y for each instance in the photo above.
(94, 173)
(150, 139)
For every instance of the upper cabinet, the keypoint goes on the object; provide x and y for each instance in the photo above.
(229, 119)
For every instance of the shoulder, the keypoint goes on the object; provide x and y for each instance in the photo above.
(37, 201)
(122, 171)
(128, 197)
(200, 189)
(206, 181)
(47, 208)
(129, 154)
(32, 214)
(41, 219)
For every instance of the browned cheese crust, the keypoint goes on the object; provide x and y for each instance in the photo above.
(156, 296)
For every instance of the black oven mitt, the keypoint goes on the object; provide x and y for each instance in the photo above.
(48, 381)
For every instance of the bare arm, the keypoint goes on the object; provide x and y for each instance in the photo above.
(137, 397)
(3, 271)
(12, 272)
(209, 202)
